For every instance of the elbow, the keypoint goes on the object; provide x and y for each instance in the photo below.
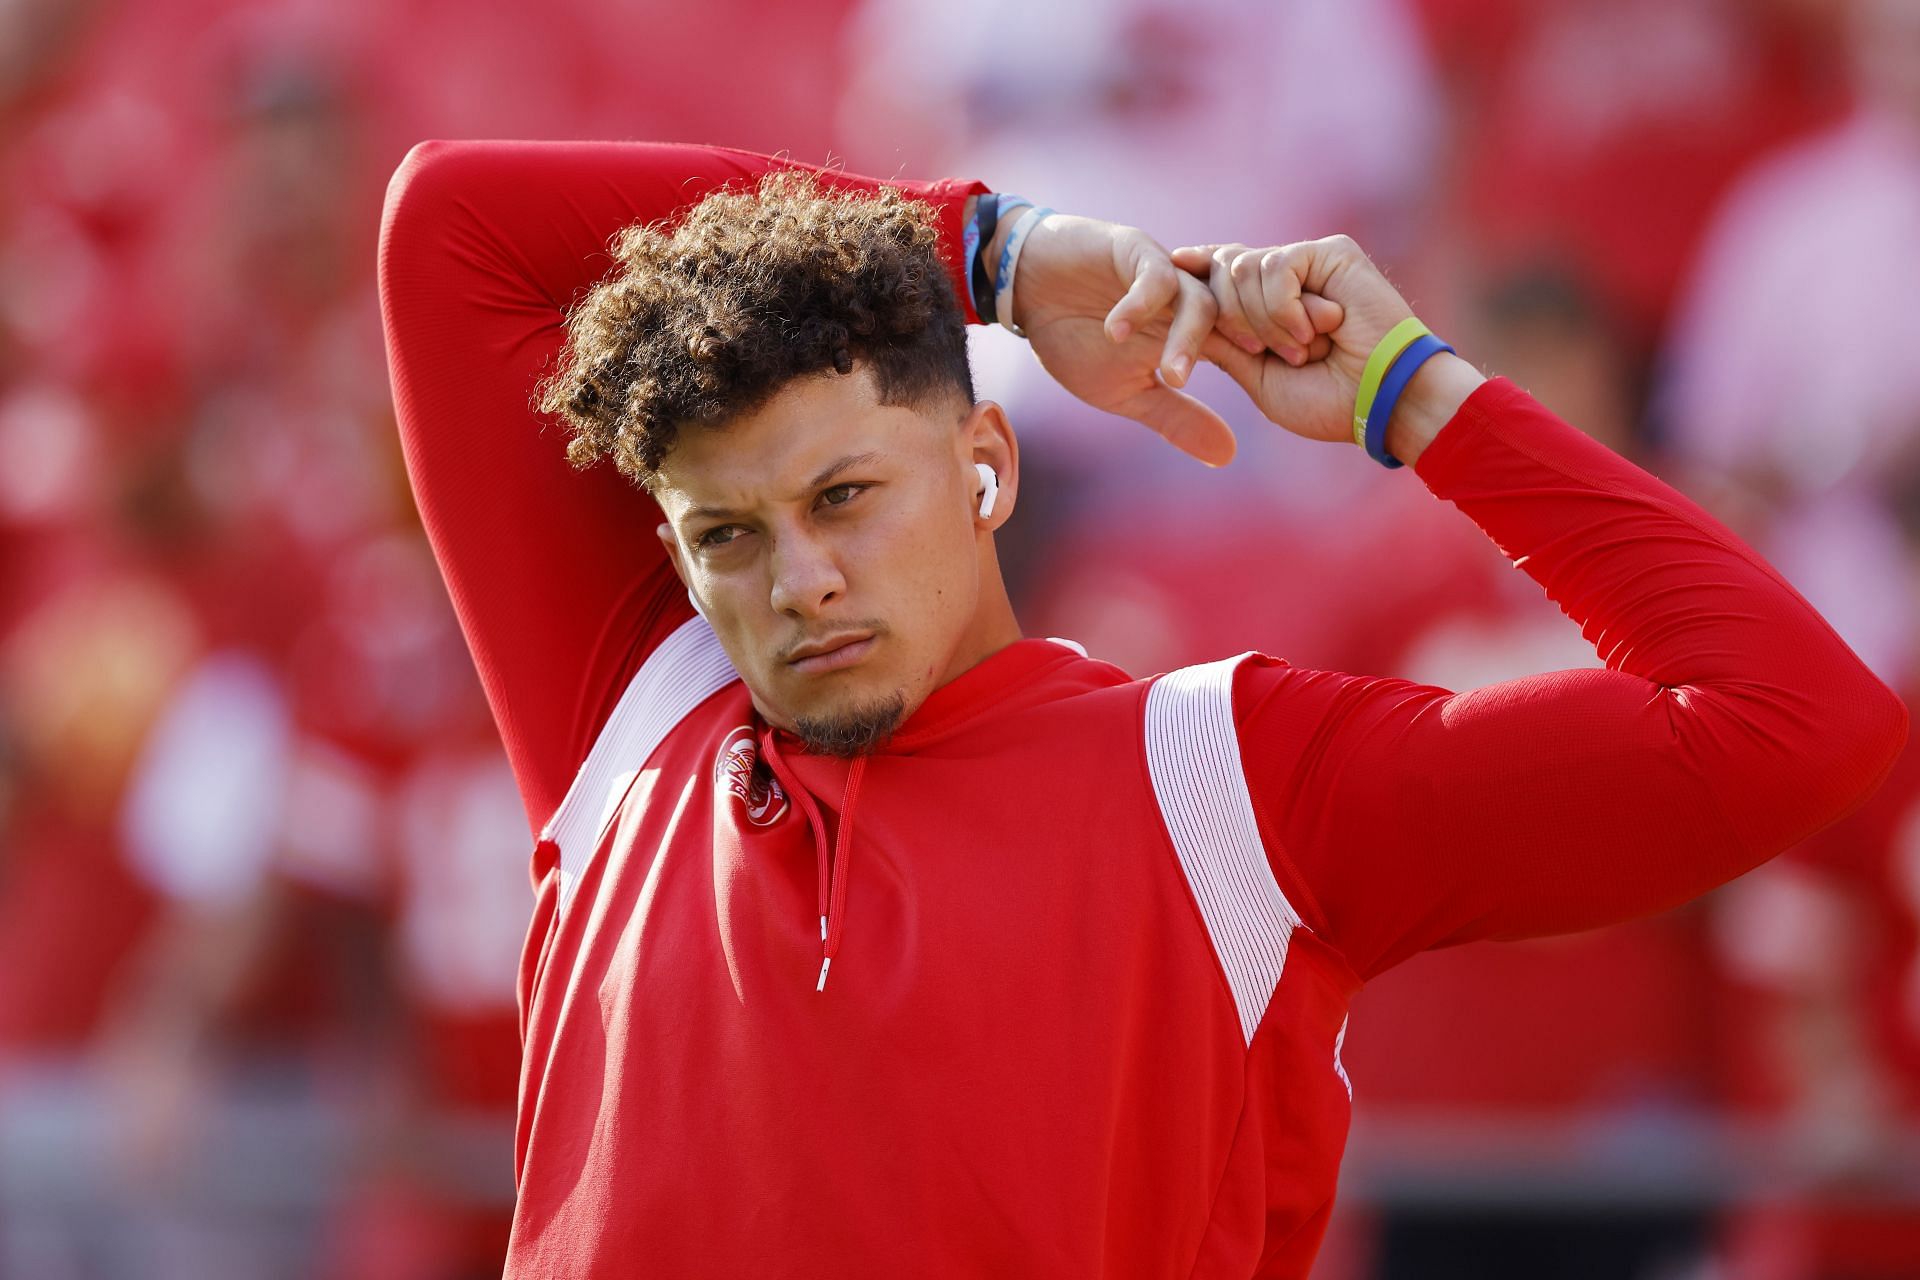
(1857, 749)
(420, 169)
(420, 193)
(1884, 733)
(1817, 757)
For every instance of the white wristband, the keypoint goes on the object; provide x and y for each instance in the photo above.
(1009, 264)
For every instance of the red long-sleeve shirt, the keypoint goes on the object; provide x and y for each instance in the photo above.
(1097, 934)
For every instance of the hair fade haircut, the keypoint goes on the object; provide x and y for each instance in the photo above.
(707, 318)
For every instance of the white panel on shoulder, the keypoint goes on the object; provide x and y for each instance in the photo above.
(1193, 756)
(1339, 1067)
(688, 668)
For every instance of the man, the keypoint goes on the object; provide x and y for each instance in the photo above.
(872, 939)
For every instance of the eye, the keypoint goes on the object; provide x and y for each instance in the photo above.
(718, 536)
(840, 494)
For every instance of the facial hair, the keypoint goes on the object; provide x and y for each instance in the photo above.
(854, 731)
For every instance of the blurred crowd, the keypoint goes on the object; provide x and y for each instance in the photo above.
(263, 873)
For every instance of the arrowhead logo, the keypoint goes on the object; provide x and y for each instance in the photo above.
(737, 769)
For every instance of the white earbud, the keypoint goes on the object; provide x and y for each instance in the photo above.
(991, 491)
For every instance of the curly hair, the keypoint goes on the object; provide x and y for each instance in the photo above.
(708, 318)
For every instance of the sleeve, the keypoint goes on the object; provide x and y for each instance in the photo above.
(558, 580)
(1730, 721)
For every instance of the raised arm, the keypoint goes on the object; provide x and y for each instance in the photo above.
(1730, 721)
(559, 582)
(556, 575)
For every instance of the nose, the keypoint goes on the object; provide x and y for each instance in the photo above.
(806, 577)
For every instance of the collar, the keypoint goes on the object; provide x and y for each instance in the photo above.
(983, 686)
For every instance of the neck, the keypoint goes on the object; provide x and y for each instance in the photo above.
(993, 626)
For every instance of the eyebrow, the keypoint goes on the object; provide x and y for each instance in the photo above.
(825, 474)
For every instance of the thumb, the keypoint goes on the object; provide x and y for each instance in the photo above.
(1243, 367)
(1325, 314)
(1195, 259)
(1185, 423)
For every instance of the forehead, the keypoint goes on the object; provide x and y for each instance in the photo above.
(775, 451)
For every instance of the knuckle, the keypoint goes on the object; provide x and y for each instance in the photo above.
(1202, 305)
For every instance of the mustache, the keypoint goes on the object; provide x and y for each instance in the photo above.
(871, 626)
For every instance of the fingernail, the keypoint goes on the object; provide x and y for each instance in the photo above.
(1252, 346)
(1120, 330)
(1182, 367)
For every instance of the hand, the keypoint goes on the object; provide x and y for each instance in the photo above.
(1115, 323)
(1295, 327)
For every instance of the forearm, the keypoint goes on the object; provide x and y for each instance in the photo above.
(1666, 593)
(1432, 399)
(1731, 721)
(554, 206)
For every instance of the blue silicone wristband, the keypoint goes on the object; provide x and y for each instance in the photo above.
(1418, 352)
(989, 209)
(985, 208)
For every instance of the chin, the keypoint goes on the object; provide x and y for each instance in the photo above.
(851, 726)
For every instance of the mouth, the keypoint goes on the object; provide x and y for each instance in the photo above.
(832, 654)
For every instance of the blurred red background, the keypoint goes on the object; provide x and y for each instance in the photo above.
(262, 868)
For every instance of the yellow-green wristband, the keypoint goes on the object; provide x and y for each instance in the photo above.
(1398, 339)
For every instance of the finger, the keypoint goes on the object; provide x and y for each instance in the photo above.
(1196, 259)
(1155, 284)
(1185, 423)
(1246, 369)
(1249, 288)
(1195, 315)
(1232, 319)
(1325, 314)
(1272, 388)
(1283, 274)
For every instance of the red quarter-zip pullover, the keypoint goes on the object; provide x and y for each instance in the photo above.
(1054, 984)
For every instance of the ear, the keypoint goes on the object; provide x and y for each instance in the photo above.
(987, 437)
(672, 544)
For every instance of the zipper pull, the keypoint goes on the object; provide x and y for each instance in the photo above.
(824, 960)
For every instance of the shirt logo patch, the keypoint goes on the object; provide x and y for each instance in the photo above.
(737, 768)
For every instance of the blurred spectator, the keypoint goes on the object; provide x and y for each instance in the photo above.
(1786, 429)
(1601, 136)
(1825, 943)
(84, 682)
(1598, 1037)
(262, 904)
(1199, 122)
(262, 872)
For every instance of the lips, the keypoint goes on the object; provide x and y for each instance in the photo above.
(832, 653)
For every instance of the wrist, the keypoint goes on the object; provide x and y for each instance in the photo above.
(997, 243)
(1433, 396)
(1019, 220)
(985, 249)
